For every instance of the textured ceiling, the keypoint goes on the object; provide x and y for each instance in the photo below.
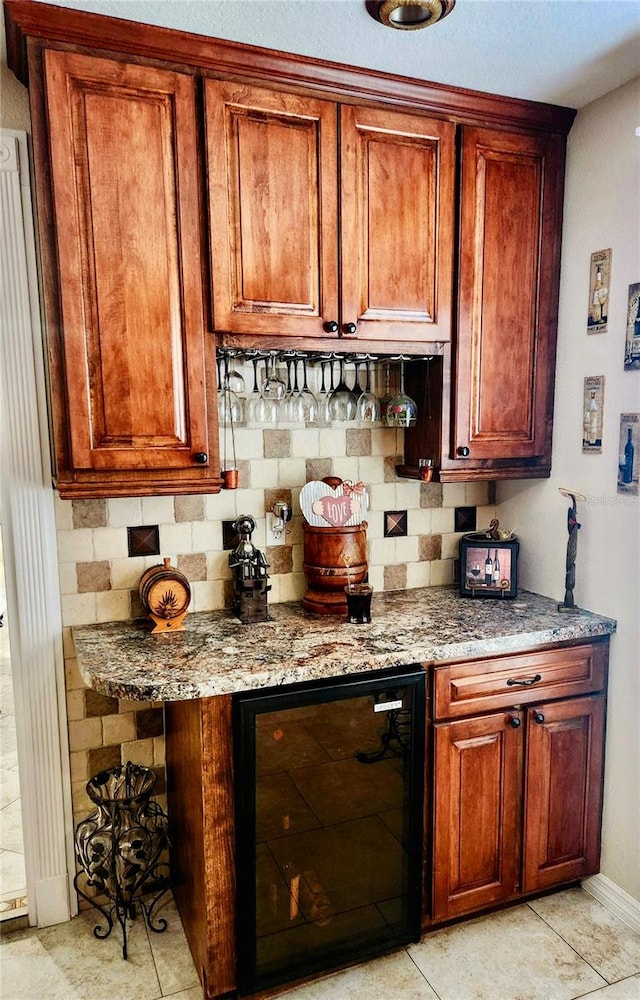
(562, 51)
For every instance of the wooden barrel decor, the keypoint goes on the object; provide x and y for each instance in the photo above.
(333, 559)
(165, 594)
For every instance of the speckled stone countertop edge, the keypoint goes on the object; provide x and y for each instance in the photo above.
(216, 655)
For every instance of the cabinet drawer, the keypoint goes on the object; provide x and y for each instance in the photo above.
(483, 685)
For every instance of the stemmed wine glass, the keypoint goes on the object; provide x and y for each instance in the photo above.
(309, 402)
(343, 402)
(368, 406)
(387, 397)
(292, 408)
(402, 411)
(230, 405)
(271, 393)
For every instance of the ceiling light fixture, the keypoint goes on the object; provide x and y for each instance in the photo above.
(407, 15)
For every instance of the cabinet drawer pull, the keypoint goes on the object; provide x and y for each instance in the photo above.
(515, 722)
(349, 330)
(331, 326)
(463, 451)
(201, 457)
(539, 718)
(532, 680)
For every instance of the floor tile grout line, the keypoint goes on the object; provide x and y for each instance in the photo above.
(614, 983)
(416, 966)
(574, 950)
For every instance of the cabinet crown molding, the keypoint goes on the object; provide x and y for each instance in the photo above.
(41, 23)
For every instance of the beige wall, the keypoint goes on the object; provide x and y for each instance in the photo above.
(14, 99)
(602, 208)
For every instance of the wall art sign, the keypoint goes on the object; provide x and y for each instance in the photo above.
(632, 342)
(599, 284)
(488, 567)
(592, 409)
(628, 450)
(326, 507)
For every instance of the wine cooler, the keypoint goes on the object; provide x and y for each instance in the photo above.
(329, 779)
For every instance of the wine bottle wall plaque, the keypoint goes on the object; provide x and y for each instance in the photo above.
(592, 411)
(632, 342)
(599, 284)
(628, 451)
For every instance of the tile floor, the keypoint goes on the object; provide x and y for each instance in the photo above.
(560, 947)
(12, 872)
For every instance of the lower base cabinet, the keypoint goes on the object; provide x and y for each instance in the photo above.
(517, 802)
(517, 792)
(513, 794)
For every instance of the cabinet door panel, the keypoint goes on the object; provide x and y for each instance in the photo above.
(563, 793)
(511, 191)
(477, 780)
(124, 168)
(397, 204)
(272, 169)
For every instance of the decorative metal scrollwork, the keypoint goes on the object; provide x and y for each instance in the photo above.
(121, 849)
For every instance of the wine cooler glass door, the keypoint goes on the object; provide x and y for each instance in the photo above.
(329, 824)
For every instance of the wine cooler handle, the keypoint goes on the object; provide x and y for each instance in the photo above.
(526, 683)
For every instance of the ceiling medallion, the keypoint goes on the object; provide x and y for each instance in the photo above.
(407, 15)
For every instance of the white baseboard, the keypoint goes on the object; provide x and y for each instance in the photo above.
(615, 899)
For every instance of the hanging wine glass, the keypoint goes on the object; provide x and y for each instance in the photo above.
(234, 378)
(343, 402)
(402, 411)
(291, 406)
(310, 408)
(230, 405)
(327, 387)
(387, 397)
(254, 400)
(368, 406)
(271, 393)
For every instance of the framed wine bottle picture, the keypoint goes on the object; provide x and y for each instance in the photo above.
(628, 451)
(488, 567)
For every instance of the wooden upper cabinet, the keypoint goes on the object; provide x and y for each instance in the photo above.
(511, 209)
(272, 180)
(397, 224)
(282, 186)
(131, 350)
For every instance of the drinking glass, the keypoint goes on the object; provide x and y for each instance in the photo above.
(310, 408)
(368, 406)
(343, 403)
(272, 392)
(387, 397)
(292, 406)
(402, 411)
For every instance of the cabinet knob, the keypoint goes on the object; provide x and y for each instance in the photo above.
(539, 718)
(463, 451)
(201, 457)
(349, 329)
(331, 326)
(515, 722)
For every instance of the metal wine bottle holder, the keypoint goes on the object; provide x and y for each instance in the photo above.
(119, 849)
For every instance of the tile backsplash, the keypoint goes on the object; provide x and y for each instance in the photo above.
(99, 580)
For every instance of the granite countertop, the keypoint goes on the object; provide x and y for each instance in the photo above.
(216, 655)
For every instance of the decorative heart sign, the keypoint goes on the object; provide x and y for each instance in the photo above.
(336, 510)
(323, 506)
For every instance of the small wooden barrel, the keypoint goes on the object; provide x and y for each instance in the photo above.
(326, 554)
(165, 594)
